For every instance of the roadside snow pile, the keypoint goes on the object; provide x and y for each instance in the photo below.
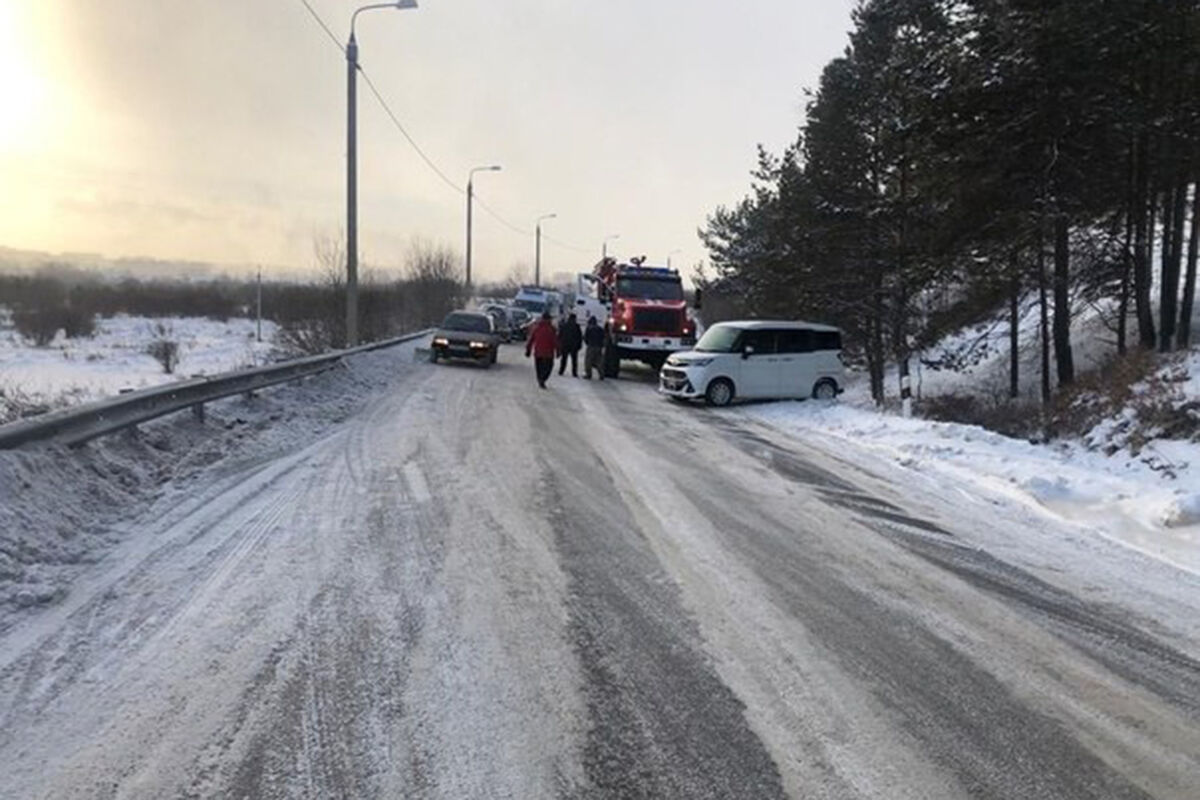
(72, 371)
(1156, 416)
(1129, 497)
(61, 509)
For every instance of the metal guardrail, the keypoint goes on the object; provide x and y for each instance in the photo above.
(74, 426)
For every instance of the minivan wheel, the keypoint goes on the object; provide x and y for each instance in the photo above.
(719, 392)
(825, 389)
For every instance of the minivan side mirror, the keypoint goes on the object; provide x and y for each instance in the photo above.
(747, 351)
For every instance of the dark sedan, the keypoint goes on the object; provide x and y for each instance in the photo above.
(467, 335)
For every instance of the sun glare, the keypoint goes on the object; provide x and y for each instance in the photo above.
(22, 89)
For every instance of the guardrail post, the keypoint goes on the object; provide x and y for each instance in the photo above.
(198, 412)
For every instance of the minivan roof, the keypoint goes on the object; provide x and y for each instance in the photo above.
(752, 324)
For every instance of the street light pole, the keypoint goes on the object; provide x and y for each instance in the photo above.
(470, 197)
(537, 257)
(351, 190)
(352, 170)
(604, 246)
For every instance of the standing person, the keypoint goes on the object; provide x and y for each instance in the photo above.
(542, 343)
(593, 337)
(570, 339)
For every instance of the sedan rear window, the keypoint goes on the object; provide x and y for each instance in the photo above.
(475, 323)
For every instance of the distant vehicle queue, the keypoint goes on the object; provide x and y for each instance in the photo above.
(629, 311)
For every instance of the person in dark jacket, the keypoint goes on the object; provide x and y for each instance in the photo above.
(593, 338)
(570, 339)
(542, 344)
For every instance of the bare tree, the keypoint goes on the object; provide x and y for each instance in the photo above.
(434, 283)
(316, 321)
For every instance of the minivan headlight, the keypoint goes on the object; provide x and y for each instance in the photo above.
(697, 362)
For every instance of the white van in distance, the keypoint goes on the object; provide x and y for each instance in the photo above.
(758, 359)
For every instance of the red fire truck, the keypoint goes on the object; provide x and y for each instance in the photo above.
(643, 309)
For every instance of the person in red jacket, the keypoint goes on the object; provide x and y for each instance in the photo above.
(542, 344)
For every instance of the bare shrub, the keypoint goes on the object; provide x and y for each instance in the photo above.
(55, 285)
(164, 349)
(1011, 417)
(16, 403)
(42, 323)
(1101, 393)
(1127, 403)
(434, 283)
(312, 317)
(36, 325)
(166, 353)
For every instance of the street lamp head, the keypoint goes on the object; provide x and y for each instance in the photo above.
(397, 4)
(492, 168)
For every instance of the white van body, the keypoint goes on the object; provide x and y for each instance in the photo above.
(758, 359)
(537, 300)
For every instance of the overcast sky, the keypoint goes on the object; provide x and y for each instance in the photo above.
(215, 129)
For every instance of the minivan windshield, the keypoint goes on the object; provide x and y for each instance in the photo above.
(475, 323)
(650, 288)
(718, 339)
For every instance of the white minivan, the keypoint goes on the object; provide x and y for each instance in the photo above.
(758, 359)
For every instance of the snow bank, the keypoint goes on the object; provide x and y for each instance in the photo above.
(1130, 499)
(61, 509)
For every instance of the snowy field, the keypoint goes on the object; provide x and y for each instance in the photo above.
(73, 371)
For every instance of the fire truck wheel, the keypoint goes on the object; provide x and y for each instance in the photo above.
(612, 361)
(719, 392)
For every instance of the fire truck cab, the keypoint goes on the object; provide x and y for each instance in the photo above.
(643, 310)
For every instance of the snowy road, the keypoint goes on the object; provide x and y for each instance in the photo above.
(477, 590)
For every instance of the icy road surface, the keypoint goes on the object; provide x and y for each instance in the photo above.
(474, 589)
